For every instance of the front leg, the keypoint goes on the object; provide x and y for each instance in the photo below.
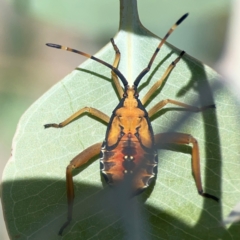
(182, 138)
(159, 83)
(115, 65)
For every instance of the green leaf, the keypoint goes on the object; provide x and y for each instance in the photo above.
(33, 188)
(234, 215)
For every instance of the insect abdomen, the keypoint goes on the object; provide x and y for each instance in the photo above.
(129, 161)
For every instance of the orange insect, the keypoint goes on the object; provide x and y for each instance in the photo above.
(129, 151)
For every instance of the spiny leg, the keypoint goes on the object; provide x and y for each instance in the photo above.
(144, 71)
(77, 162)
(115, 65)
(164, 102)
(182, 138)
(93, 111)
(160, 81)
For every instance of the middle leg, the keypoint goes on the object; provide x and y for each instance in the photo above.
(164, 102)
(92, 111)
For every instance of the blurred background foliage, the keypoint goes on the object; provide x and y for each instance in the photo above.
(28, 68)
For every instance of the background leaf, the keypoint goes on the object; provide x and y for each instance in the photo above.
(33, 192)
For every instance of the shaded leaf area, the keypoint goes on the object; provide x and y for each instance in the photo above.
(234, 215)
(100, 214)
(33, 189)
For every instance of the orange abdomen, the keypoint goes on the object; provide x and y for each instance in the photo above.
(129, 161)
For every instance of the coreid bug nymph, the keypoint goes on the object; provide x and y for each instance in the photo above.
(129, 151)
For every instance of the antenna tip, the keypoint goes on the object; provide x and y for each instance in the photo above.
(182, 53)
(53, 45)
(182, 18)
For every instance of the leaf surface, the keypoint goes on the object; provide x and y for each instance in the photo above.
(33, 188)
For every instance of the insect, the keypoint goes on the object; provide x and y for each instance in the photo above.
(129, 150)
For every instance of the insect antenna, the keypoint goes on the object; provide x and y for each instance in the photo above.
(145, 70)
(115, 70)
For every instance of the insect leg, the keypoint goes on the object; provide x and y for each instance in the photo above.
(115, 65)
(92, 111)
(77, 162)
(182, 138)
(160, 81)
(164, 102)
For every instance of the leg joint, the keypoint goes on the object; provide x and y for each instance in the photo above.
(192, 140)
